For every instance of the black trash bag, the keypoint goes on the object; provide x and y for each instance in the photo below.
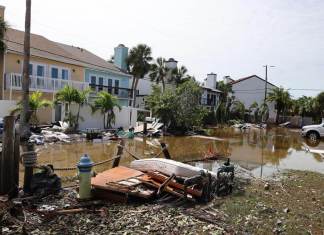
(45, 182)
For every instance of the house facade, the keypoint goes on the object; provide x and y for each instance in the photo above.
(54, 65)
(252, 89)
(210, 94)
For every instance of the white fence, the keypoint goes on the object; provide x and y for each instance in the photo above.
(125, 118)
(6, 106)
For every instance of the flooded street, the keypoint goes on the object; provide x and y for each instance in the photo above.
(264, 152)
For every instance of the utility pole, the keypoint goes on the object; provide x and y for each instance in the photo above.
(266, 81)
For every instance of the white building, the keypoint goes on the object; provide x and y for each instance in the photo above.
(210, 95)
(252, 89)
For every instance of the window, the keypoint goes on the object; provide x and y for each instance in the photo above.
(40, 70)
(93, 82)
(54, 73)
(116, 87)
(65, 74)
(30, 69)
(101, 80)
(110, 86)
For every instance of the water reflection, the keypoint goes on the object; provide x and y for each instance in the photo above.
(261, 151)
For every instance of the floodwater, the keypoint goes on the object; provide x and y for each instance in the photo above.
(263, 152)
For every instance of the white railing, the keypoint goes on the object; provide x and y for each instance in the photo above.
(14, 82)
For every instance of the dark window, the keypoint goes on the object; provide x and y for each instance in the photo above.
(116, 87)
(54, 73)
(93, 82)
(30, 69)
(110, 86)
(40, 71)
(100, 83)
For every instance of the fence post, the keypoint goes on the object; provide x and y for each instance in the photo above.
(7, 157)
(119, 153)
(165, 151)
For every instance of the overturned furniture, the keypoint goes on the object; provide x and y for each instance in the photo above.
(186, 181)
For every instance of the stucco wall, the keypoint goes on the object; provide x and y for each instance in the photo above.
(14, 64)
(6, 106)
(125, 118)
(252, 90)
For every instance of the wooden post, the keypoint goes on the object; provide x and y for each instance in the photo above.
(16, 158)
(7, 157)
(145, 128)
(29, 170)
(119, 153)
(165, 151)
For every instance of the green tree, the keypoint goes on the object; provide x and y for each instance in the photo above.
(263, 112)
(35, 103)
(159, 72)
(68, 95)
(237, 110)
(225, 102)
(81, 99)
(138, 63)
(179, 109)
(254, 107)
(179, 75)
(3, 29)
(320, 101)
(282, 99)
(105, 103)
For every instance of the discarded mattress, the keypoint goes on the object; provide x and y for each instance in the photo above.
(167, 167)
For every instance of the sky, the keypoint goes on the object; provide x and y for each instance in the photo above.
(227, 37)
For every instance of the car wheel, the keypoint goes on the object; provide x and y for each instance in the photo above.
(313, 136)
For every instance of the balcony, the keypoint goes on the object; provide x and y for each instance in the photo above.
(13, 81)
(121, 93)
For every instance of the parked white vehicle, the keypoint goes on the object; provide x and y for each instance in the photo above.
(313, 132)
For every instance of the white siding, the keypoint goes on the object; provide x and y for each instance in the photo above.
(252, 90)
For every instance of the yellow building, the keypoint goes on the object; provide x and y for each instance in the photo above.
(52, 66)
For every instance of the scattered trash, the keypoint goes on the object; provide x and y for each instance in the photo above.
(206, 137)
(267, 186)
(45, 182)
(285, 124)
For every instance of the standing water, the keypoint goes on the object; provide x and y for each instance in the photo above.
(263, 152)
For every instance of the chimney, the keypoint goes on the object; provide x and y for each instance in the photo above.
(2, 12)
(120, 56)
(171, 63)
(227, 79)
(211, 80)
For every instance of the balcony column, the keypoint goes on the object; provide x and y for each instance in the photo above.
(10, 92)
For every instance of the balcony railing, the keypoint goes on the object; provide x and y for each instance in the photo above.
(121, 93)
(14, 82)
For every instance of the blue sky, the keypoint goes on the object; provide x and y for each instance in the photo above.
(226, 37)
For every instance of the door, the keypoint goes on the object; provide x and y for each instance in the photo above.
(101, 82)
(322, 130)
(93, 81)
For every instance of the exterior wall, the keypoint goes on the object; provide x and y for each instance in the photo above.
(44, 115)
(123, 81)
(204, 97)
(252, 90)
(12, 66)
(125, 118)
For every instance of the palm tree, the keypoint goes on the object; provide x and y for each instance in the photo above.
(105, 103)
(25, 114)
(238, 109)
(263, 112)
(35, 103)
(138, 62)
(68, 95)
(159, 72)
(254, 106)
(282, 99)
(179, 75)
(3, 28)
(80, 99)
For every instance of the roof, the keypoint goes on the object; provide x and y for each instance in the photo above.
(45, 48)
(246, 78)
(211, 89)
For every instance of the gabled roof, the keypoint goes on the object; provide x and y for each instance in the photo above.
(45, 48)
(246, 78)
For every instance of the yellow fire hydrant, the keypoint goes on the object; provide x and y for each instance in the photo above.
(85, 166)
